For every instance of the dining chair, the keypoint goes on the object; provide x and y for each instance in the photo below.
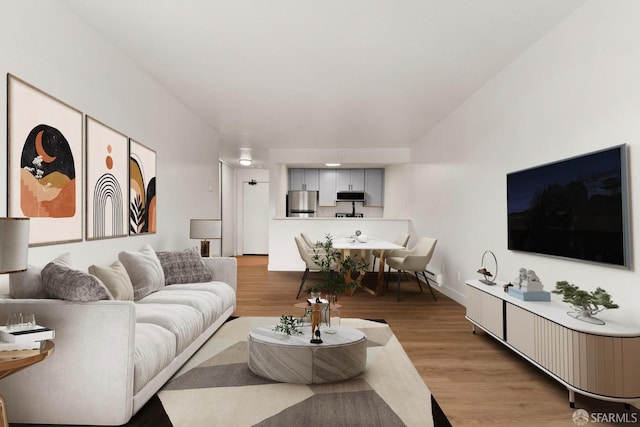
(414, 260)
(401, 239)
(306, 254)
(307, 240)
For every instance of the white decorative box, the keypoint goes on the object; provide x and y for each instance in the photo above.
(530, 295)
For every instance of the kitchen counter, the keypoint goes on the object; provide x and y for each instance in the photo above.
(283, 253)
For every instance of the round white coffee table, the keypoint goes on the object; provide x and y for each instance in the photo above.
(293, 359)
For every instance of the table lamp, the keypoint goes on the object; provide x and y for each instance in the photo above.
(205, 229)
(14, 244)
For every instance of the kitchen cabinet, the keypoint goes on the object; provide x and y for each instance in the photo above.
(350, 180)
(303, 179)
(374, 186)
(327, 187)
(329, 181)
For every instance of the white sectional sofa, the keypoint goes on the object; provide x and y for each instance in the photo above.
(112, 356)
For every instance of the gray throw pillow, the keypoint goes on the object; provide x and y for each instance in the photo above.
(183, 267)
(144, 271)
(74, 285)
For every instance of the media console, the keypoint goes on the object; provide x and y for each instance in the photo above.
(599, 361)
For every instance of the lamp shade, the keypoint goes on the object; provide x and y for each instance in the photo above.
(14, 244)
(205, 229)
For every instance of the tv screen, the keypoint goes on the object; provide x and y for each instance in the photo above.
(575, 208)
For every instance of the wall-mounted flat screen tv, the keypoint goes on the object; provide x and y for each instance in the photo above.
(575, 208)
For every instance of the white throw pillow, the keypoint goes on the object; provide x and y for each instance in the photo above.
(28, 284)
(116, 279)
(144, 270)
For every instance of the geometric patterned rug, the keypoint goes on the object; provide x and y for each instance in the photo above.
(216, 388)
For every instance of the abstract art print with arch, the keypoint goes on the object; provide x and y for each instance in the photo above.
(142, 189)
(107, 175)
(44, 163)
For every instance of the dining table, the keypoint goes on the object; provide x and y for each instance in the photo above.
(352, 246)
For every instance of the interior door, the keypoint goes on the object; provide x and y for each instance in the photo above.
(255, 218)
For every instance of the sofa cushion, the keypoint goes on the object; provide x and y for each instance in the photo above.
(144, 270)
(183, 267)
(225, 292)
(207, 304)
(155, 348)
(184, 322)
(28, 283)
(74, 285)
(116, 279)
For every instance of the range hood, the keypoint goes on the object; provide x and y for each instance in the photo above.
(350, 196)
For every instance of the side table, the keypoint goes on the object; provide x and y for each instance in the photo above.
(10, 365)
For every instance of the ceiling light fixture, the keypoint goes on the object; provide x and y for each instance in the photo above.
(332, 165)
(245, 162)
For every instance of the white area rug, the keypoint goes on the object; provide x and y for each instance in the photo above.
(216, 387)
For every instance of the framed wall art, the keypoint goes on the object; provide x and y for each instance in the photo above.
(44, 162)
(142, 189)
(107, 154)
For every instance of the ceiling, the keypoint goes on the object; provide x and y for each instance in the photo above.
(331, 74)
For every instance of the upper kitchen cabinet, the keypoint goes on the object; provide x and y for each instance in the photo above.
(303, 179)
(350, 180)
(327, 181)
(374, 186)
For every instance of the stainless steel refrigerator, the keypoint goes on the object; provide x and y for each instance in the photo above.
(302, 203)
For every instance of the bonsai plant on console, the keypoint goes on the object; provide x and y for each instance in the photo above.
(585, 304)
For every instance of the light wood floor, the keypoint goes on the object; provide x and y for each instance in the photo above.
(475, 380)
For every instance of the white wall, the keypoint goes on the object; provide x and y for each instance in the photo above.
(44, 44)
(575, 91)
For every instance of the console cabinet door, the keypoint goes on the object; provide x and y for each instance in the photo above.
(485, 310)
(520, 330)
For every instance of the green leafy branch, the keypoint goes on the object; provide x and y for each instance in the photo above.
(289, 325)
(589, 301)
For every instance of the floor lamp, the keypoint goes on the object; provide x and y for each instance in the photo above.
(205, 229)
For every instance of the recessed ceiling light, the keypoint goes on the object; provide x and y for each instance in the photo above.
(245, 162)
(332, 165)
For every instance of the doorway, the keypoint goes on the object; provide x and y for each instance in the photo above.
(255, 216)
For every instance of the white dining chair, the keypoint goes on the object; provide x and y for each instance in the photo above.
(414, 260)
(401, 239)
(306, 254)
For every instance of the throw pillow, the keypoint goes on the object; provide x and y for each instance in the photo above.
(28, 284)
(183, 267)
(116, 279)
(144, 270)
(66, 283)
